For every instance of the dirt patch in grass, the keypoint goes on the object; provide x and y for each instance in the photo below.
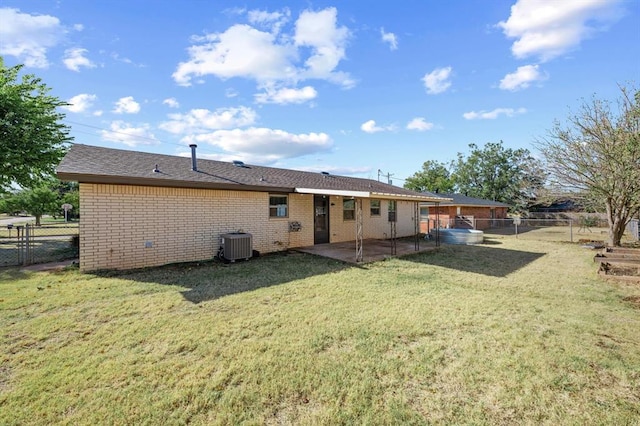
(633, 300)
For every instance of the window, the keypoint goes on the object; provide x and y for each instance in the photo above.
(375, 207)
(424, 214)
(348, 209)
(278, 205)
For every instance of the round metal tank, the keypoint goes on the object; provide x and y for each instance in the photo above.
(460, 236)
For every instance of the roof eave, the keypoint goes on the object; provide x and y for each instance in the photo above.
(170, 183)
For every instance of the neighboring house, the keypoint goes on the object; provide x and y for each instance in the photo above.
(461, 212)
(141, 209)
(560, 205)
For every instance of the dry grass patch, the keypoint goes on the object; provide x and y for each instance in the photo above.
(513, 332)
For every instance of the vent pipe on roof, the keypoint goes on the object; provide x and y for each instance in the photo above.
(194, 162)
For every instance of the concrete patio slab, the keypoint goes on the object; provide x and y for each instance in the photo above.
(372, 250)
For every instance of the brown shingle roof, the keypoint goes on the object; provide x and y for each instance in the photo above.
(91, 164)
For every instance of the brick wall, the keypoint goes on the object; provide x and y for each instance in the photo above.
(126, 226)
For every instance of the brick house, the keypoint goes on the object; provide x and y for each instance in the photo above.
(461, 212)
(141, 209)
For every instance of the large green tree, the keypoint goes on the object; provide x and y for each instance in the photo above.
(597, 153)
(32, 137)
(45, 198)
(39, 201)
(496, 173)
(434, 177)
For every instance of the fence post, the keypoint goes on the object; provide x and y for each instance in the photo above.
(571, 229)
(27, 243)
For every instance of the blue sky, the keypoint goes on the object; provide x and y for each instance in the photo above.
(345, 87)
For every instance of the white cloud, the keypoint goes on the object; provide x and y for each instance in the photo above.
(74, 59)
(171, 103)
(126, 105)
(125, 133)
(241, 51)
(319, 31)
(522, 78)
(389, 38)
(492, 115)
(272, 20)
(28, 37)
(116, 57)
(419, 124)
(203, 120)
(312, 50)
(286, 95)
(263, 145)
(437, 81)
(371, 127)
(547, 29)
(80, 103)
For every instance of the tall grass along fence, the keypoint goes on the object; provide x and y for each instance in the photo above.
(28, 244)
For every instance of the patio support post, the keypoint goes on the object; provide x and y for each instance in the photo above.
(416, 224)
(359, 230)
(437, 224)
(393, 232)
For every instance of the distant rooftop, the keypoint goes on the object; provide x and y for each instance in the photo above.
(463, 200)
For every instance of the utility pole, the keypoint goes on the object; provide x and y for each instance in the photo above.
(388, 176)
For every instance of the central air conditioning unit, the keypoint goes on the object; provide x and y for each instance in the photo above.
(235, 246)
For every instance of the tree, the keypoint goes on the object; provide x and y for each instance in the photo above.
(499, 174)
(39, 201)
(10, 204)
(46, 198)
(32, 139)
(598, 153)
(434, 177)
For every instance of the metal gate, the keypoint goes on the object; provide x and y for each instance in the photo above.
(28, 244)
(634, 229)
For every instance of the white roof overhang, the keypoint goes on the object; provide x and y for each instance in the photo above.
(339, 192)
(366, 194)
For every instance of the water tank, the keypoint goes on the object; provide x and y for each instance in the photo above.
(460, 236)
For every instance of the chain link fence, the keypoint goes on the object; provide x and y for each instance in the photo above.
(28, 244)
(562, 230)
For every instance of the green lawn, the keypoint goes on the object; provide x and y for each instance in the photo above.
(514, 331)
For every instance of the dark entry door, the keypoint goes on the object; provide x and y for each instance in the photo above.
(321, 219)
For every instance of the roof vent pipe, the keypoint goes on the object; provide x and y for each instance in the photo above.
(194, 162)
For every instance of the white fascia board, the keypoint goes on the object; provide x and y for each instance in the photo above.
(338, 192)
(417, 197)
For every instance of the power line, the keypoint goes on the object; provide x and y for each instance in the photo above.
(388, 176)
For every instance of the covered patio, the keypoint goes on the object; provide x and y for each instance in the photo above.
(372, 250)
